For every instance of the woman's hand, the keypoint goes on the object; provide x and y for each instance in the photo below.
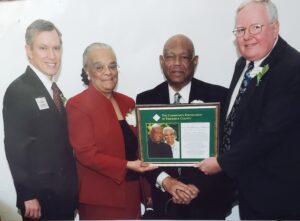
(140, 166)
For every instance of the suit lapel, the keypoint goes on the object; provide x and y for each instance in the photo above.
(271, 61)
(193, 93)
(276, 53)
(41, 91)
(163, 94)
(236, 76)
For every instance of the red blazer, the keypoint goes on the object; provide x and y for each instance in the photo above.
(98, 142)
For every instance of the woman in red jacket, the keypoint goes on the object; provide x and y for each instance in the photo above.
(105, 145)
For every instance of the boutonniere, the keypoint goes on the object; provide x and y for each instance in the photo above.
(130, 117)
(63, 99)
(259, 72)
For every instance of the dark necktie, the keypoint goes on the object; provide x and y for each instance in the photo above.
(57, 97)
(232, 115)
(177, 97)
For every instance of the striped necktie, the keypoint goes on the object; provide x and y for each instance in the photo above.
(177, 97)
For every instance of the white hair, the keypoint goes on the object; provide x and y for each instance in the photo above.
(268, 4)
(92, 47)
(166, 129)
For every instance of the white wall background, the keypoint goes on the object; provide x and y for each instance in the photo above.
(137, 30)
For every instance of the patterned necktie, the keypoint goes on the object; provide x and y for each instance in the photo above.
(177, 97)
(232, 115)
(57, 97)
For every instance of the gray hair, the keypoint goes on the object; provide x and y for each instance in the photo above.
(38, 26)
(268, 4)
(155, 126)
(169, 129)
(92, 47)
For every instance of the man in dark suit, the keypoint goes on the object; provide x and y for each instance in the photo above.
(261, 149)
(178, 63)
(36, 138)
(156, 147)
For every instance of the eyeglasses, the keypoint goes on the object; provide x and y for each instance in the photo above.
(182, 59)
(100, 68)
(253, 29)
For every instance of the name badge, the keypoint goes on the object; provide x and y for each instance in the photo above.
(42, 103)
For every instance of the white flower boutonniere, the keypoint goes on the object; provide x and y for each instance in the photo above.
(63, 99)
(259, 72)
(131, 118)
(197, 102)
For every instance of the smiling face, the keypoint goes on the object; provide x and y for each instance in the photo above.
(156, 134)
(169, 137)
(45, 52)
(102, 69)
(255, 47)
(178, 62)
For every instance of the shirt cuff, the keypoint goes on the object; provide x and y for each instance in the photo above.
(163, 175)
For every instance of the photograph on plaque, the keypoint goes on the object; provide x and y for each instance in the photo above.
(177, 135)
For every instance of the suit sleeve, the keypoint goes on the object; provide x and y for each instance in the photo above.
(278, 120)
(139, 99)
(145, 98)
(81, 133)
(19, 142)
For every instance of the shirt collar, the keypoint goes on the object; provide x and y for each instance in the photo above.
(256, 63)
(184, 92)
(44, 79)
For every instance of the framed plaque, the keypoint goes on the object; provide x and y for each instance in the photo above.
(177, 135)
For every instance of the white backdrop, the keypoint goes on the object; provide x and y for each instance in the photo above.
(137, 30)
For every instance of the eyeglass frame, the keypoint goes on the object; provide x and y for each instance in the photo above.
(100, 68)
(242, 30)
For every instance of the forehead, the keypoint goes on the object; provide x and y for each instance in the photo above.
(156, 129)
(101, 55)
(178, 46)
(252, 13)
(46, 38)
(169, 132)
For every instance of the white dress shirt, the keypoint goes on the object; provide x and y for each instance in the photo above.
(175, 149)
(47, 82)
(184, 93)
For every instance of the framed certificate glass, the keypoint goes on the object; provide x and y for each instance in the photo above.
(177, 135)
